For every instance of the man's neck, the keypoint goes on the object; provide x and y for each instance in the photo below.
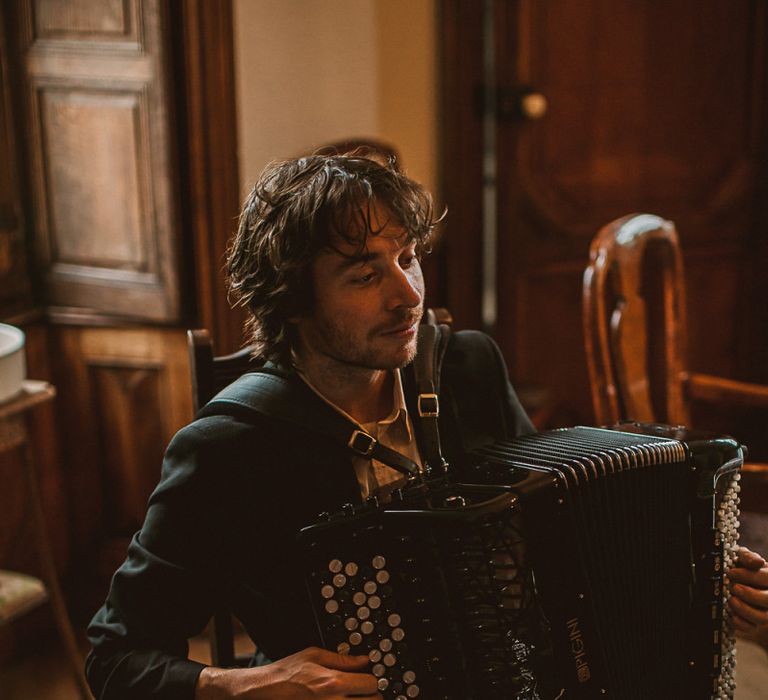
(365, 394)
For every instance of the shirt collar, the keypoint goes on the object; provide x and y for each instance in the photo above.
(399, 408)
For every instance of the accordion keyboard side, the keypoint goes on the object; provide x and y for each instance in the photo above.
(437, 590)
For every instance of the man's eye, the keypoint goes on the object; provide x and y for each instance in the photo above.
(407, 261)
(364, 279)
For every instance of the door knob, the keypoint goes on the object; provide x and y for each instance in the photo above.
(521, 103)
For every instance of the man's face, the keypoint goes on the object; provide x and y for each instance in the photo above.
(367, 306)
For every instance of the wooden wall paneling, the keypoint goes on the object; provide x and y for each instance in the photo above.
(208, 154)
(647, 112)
(126, 392)
(100, 151)
(129, 444)
(754, 309)
(459, 252)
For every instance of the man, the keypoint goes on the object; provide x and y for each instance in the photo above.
(326, 260)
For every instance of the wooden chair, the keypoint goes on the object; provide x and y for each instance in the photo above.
(621, 326)
(209, 376)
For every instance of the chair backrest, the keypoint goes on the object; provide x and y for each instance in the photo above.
(627, 289)
(211, 374)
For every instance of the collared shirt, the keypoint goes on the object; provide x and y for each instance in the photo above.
(395, 431)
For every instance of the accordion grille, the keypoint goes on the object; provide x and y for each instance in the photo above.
(625, 542)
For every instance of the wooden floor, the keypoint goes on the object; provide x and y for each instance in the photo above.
(45, 676)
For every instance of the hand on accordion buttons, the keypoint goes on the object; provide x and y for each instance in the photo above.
(749, 601)
(311, 674)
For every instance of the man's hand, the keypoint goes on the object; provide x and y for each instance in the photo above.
(749, 601)
(310, 674)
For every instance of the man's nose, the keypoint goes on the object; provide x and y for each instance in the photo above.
(406, 289)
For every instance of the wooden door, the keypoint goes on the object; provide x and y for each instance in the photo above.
(650, 106)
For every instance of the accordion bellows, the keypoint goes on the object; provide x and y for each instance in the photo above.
(576, 563)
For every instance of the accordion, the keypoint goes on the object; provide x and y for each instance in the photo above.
(575, 563)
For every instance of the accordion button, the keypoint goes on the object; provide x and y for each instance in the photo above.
(335, 566)
(394, 620)
(359, 598)
(366, 627)
(398, 634)
(389, 660)
(379, 562)
(374, 602)
(385, 645)
(351, 569)
(355, 638)
(339, 580)
(412, 691)
(401, 697)
(383, 684)
(363, 613)
(382, 576)
(327, 591)
(374, 655)
(331, 606)
(350, 623)
(378, 670)
(409, 677)
(343, 648)
(370, 587)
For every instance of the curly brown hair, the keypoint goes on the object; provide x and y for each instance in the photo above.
(298, 208)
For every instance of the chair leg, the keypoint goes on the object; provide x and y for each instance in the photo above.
(50, 576)
(222, 640)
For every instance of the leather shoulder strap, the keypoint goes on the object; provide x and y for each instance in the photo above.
(286, 397)
(432, 343)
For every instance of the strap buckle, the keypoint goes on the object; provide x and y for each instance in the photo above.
(429, 406)
(362, 443)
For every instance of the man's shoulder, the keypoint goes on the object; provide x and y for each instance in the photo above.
(472, 351)
(470, 340)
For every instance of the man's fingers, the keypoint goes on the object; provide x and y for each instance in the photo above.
(758, 616)
(338, 662)
(742, 625)
(750, 577)
(749, 559)
(753, 596)
(359, 684)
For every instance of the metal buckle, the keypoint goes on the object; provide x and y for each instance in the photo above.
(429, 407)
(362, 443)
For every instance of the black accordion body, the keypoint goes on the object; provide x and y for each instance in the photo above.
(576, 563)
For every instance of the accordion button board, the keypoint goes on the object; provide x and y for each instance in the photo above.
(578, 563)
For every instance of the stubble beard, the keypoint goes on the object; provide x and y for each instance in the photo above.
(348, 350)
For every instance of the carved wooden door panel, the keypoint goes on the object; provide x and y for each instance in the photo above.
(100, 155)
(656, 107)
